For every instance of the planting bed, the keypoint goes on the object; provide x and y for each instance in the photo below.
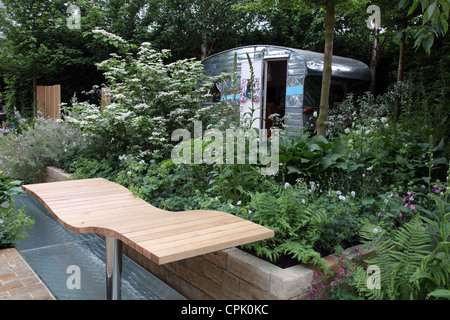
(226, 274)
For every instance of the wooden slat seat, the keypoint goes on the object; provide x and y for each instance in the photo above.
(103, 207)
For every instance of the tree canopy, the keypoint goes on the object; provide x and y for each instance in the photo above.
(38, 48)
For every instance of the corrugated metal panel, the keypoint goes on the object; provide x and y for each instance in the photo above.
(296, 65)
(295, 111)
(293, 123)
(294, 97)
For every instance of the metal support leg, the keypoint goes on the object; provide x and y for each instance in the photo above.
(113, 268)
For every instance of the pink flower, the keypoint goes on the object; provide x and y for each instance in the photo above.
(400, 215)
(412, 207)
(409, 193)
(411, 199)
(406, 205)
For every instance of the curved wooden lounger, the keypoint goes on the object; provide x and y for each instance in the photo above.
(103, 207)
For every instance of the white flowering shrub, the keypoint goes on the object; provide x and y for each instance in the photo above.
(363, 112)
(150, 99)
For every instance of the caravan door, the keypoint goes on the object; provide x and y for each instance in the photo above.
(251, 95)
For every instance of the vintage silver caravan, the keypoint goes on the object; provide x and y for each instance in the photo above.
(287, 81)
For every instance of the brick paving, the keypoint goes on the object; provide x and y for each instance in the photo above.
(17, 279)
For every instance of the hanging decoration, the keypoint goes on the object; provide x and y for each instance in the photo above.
(246, 90)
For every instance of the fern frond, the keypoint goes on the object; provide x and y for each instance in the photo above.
(399, 258)
(317, 218)
(361, 284)
(263, 248)
(411, 241)
(303, 253)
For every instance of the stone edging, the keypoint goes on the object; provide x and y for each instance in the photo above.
(229, 274)
(52, 174)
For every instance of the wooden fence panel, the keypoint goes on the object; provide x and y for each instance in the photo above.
(106, 97)
(49, 100)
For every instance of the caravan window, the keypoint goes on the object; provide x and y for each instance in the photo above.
(313, 88)
(339, 89)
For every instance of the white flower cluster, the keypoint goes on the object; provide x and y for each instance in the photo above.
(108, 35)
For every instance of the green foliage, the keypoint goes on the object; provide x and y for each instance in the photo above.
(434, 16)
(393, 208)
(163, 184)
(432, 277)
(424, 108)
(197, 28)
(39, 49)
(85, 168)
(307, 225)
(342, 287)
(8, 188)
(232, 181)
(414, 259)
(36, 144)
(284, 210)
(387, 153)
(398, 257)
(166, 185)
(13, 222)
(313, 158)
(344, 217)
(13, 225)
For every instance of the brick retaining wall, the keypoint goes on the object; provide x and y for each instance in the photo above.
(230, 274)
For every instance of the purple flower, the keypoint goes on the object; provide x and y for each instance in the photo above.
(412, 207)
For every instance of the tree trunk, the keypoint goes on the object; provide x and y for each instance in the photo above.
(204, 46)
(326, 75)
(374, 60)
(400, 73)
(34, 92)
